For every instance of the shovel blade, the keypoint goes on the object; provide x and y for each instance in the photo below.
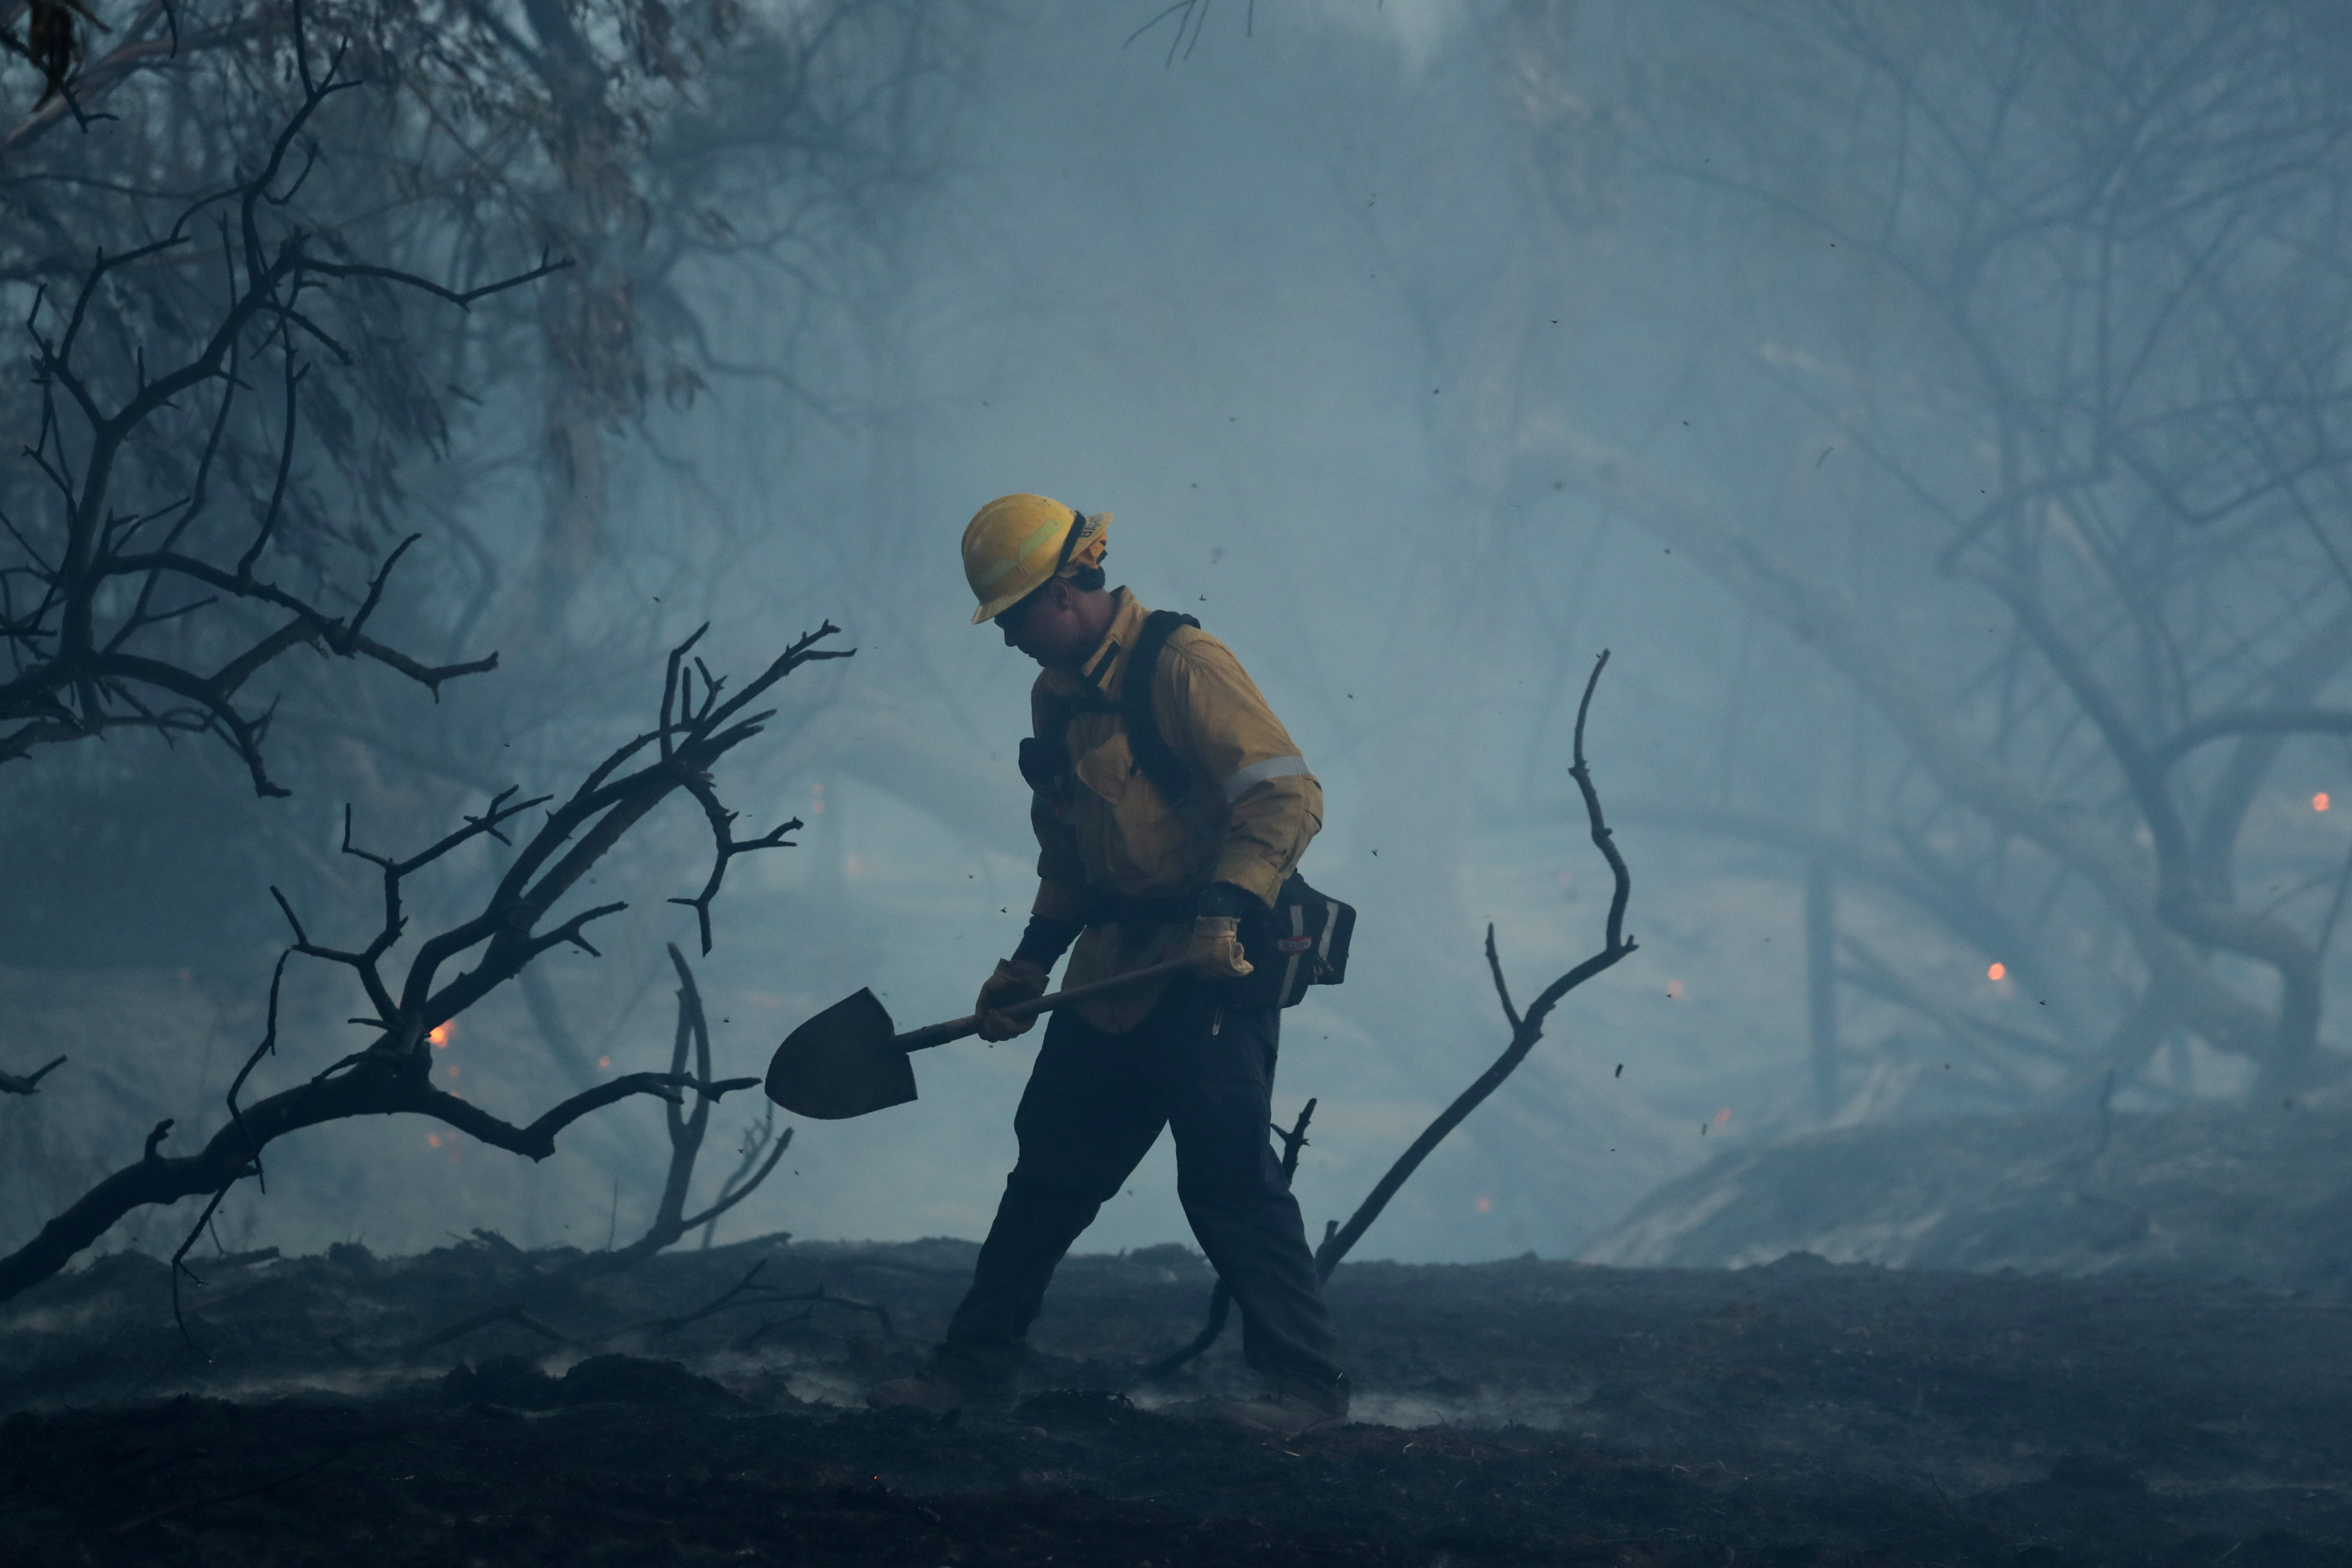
(842, 1063)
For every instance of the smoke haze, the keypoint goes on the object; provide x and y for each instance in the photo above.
(1422, 351)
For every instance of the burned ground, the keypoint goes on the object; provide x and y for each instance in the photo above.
(1520, 1411)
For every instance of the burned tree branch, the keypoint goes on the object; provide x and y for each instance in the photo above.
(748, 1292)
(750, 1282)
(821, 1296)
(75, 673)
(30, 1083)
(512, 1312)
(1526, 1029)
(671, 1222)
(391, 1075)
(1502, 986)
(748, 1175)
(745, 1178)
(726, 846)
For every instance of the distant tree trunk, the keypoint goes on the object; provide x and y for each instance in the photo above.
(1820, 982)
(588, 323)
(575, 483)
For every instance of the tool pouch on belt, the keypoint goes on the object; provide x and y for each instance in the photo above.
(1301, 941)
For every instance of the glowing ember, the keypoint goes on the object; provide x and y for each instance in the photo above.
(1486, 1205)
(1997, 972)
(442, 1037)
(1673, 988)
(434, 1138)
(2319, 800)
(452, 1069)
(603, 1061)
(1723, 1116)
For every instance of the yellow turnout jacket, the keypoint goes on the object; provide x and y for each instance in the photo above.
(1246, 819)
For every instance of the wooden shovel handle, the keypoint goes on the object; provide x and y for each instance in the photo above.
(957, 1028)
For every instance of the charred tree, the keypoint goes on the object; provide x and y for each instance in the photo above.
(713, 145)
(94, 581)
(2096, 428)
(694, 730)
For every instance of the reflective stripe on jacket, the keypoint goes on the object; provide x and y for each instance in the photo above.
(1246, 818)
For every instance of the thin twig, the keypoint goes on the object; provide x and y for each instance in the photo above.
(176, 1508)
(512, 1312)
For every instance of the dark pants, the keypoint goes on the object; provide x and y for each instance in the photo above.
(1094, 1107)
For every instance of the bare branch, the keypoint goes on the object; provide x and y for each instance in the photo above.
(30, 1083)
(1502, 986)
(94, 664)
(1525, 1032)
(392, 1075)
(512, 1312)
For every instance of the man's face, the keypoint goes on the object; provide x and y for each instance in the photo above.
(1048, 627)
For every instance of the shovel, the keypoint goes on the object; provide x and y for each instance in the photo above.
(847, 1060)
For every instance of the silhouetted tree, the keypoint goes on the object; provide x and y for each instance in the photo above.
(2062, 284)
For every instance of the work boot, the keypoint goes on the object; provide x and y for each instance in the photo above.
(1288, 1410)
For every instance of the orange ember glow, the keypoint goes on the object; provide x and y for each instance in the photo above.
(2319, 800)
(1486, 1205)
(1997, 972)
(603, 1061)
(434, 1138)
(1674, 987)
(441, 1038)
(1723, 1116)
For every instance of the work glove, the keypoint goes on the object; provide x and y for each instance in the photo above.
(1215, 950)
(1015, 980)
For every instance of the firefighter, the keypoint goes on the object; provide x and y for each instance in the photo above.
(1157, 832)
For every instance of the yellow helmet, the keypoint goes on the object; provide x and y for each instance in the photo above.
(1016, 545)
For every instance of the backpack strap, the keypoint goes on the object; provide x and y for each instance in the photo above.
(1138, 714)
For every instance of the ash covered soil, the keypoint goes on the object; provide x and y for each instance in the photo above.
(482, 1404)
